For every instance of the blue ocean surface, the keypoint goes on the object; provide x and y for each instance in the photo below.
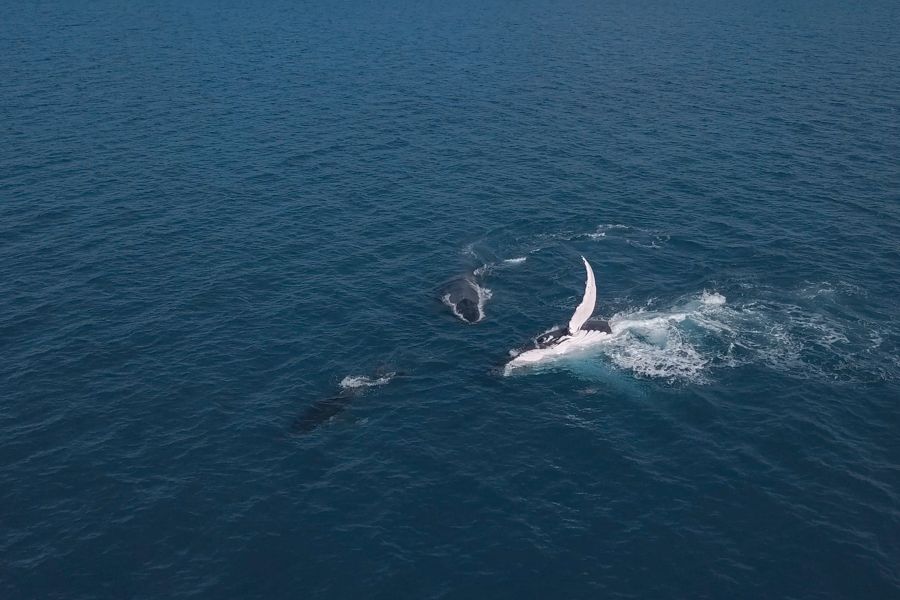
(226, 370)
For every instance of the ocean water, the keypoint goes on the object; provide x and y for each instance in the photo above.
(221, 221)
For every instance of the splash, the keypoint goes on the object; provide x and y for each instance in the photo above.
(484, 294)
(712, 299)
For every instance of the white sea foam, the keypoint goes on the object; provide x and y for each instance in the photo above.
(515, 261)
(668, 355)
(446, 300)
(484, 294)
(712, 299)
(653, 345)
(361, 381)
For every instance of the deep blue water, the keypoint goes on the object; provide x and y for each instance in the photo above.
(213, 214)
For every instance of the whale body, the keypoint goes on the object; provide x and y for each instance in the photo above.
(578, 334)
(324, 410)
(465, 298)
(555, 336)
(319, 413)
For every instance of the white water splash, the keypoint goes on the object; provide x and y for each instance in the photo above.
(484, 294)
(712, 299)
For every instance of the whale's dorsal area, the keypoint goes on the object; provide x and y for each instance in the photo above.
(584, 310)
(465, 299)
(320, 412)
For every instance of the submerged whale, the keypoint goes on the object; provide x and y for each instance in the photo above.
(465, 298)
(322, 411)
(579, 333)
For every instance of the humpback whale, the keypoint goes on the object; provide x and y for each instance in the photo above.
(324, 410)
(465, 298)
(319, 413)
(579, 333)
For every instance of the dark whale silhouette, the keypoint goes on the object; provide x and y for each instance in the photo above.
(319, 413)
(462, 296)
(322, 411)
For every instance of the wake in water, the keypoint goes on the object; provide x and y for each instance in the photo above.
(351, 382)
(613, 233)
(491, 267)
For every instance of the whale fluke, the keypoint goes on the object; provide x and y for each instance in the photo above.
(586, 308)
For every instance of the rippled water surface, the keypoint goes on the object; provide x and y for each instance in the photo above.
(226, 370)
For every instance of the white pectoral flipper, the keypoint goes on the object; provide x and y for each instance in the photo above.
(586, 308)
(577, 337)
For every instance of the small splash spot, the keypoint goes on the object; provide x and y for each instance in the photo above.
(359, 381)
(712, 299)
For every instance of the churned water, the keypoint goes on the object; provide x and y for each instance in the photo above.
(226, 370)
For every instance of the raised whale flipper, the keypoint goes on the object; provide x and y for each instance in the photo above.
(586, 308)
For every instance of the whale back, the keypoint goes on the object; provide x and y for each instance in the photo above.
(588, 302)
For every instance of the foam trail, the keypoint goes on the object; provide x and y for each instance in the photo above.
(484, 294)
(351, 382)
(488, 268)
